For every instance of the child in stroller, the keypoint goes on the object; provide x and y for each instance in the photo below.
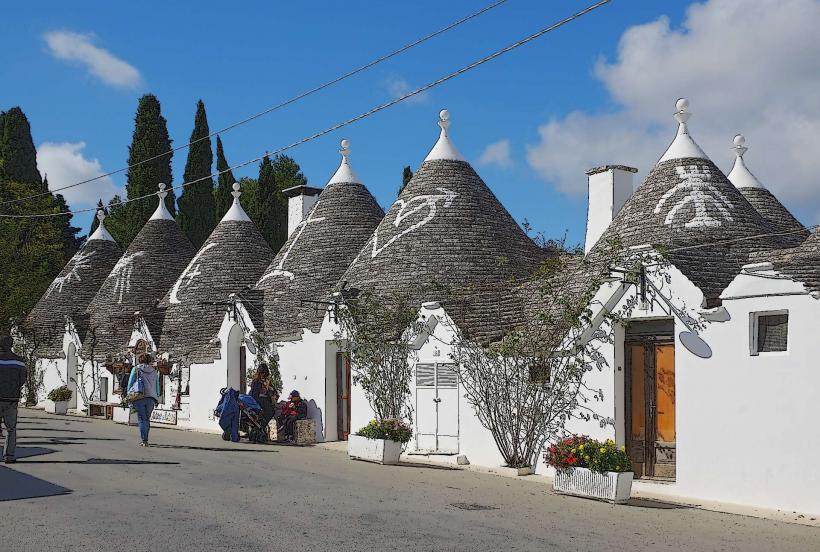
(237, 412)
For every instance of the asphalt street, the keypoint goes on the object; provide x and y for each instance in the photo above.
(84, 484)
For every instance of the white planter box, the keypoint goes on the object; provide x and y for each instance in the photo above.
(59, 407)
(125, 415)
(511, 472)
(611, 486)
(374, 450)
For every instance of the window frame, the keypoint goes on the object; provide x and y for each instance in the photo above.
(754, 331)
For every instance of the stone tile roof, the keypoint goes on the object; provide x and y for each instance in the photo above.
(231, 260)
(142, 276)
(801, 263)
(446, 234)
(70, 294)
(315, 256)
(776, 215)
(685, 206)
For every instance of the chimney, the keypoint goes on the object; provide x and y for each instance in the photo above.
(609, 188)
(300, 201)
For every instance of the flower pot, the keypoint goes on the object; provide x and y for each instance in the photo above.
(611, 486)
(382, 451)
(125, 415)
(56, 407)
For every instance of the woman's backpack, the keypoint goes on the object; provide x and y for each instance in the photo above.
(137, 389)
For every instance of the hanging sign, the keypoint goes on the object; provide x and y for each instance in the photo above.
(164, 416)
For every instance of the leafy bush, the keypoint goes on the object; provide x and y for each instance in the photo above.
(59, 394)
(390, 428)
(579, 451)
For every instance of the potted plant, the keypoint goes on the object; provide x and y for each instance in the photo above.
(57, 400)
(124, 414)
(590, 468)
(380, 441)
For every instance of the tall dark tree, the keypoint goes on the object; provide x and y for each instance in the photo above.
(222, 193)
(70, 237)
(117, 221)
(18, 158)
(150, 141)
(264, 205)
(407, 174)
(197, 211)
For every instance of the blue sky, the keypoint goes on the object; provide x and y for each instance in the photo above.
(246, 57)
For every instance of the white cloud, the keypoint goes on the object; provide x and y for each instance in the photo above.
(498, 154)
(99, 62)
(64, 164)
(746, 66)
(397, 87)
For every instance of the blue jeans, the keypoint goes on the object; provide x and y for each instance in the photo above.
(8, 417)
(144, 407)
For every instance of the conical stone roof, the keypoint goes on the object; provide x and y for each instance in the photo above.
(72, 290)
(447, 233)
(231, 260)
(317, 253)
(801, 263)
(764, 202)
(141, 277)
(685, 205)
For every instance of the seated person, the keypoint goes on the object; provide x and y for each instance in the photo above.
(294, 409)
(263, 392)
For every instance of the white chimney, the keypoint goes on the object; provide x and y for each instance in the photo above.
(609, 188)
(300, 201)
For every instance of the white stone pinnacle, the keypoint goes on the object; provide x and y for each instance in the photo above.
(345, 172)
(162, 212)
(101, 233)
(236, 212)
(444, 148)
(740, 175)
(683, 145)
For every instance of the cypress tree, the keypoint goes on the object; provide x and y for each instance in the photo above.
(196, 203)
(222, 193)
(150, 139)
(407, 174)
(18, 157)
(69, 234)
(270, 205)
(263, 205)
(116, 222)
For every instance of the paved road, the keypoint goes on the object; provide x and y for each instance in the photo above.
(189, 491)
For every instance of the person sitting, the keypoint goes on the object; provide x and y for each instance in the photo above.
(295, 409)
(264, 393)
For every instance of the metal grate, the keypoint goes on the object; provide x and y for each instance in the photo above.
(425, 375)
(772, 332)
(447, 376)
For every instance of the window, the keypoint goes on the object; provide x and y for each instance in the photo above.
(104, 389)
(769, 332)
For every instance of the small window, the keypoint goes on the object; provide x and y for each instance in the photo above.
(770, 332)
(104, 389)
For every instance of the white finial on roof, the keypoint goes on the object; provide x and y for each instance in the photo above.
(162, 212)
(101, 233)
(344, 173)
(236, 212)
(740, 175)
(444, 148)
(683, 145)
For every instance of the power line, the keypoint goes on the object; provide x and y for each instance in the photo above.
(285, 103)
(355, 119)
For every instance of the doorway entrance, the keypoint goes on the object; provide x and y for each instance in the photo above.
(71, 375)
(437, 408)
(650, 402)
(342, 395)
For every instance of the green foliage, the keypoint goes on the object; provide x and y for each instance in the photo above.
(224, 186)
(18, 158)
(69, 234)
(270, 206)
(150, 140)
(579, 451)
(391, 429)
(407, 174)
(31, 253)
(196, 203)
(58, 394)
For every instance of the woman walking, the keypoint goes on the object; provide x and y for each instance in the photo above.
(150, 394)
(263, 392)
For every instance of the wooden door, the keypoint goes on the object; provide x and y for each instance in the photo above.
(343, 395)
(243, 370)
(650, 384)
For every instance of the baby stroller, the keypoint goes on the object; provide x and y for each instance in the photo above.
(241, 413)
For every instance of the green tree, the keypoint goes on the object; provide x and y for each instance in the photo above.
(270, 207)
(69, 234)
(407, 174)
(18, 157)
(116, 222)
(197, 211)
(150, 141)
(263, 206)
(248, 187)
(222, 193)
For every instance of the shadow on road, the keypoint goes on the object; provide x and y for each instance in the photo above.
(66, 419)
(97, 461)
(215, 449)
(656, 504)
(15, 485)
(27, 429)
(29, 452)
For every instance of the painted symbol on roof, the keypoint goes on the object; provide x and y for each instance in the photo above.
(191, 272)
(122, 272)
(711, 206)
(81, 261)
(279, 269)
(410, 207)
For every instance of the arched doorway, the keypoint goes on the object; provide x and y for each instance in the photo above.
(236, 376)
(71, 374)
